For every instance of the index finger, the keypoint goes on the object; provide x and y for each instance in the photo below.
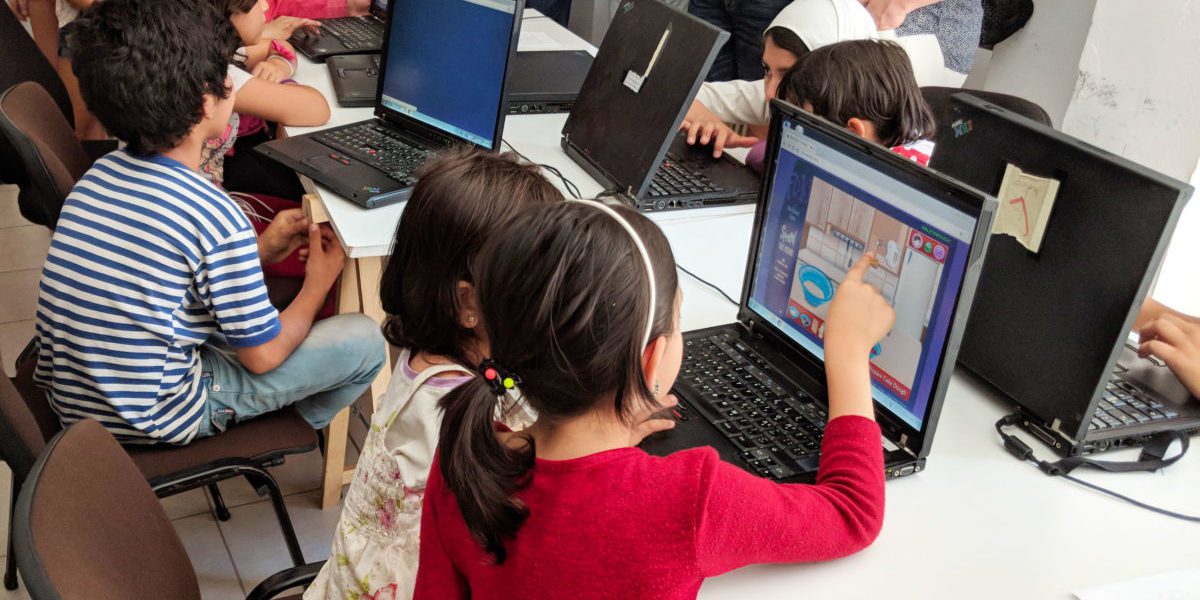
(859, 270)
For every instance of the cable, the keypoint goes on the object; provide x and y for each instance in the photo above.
(1024, 453)
(711, 285)
(567, 183)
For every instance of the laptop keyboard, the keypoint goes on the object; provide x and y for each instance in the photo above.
(355, 33)
(674, 178)
(773, 430)
(1123, 404)
(379, 147)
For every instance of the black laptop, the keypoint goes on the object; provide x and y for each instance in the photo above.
(444, 67)
(624, 127)
(344, 35)
(755, 390)
(540, 83)
(1050, 329)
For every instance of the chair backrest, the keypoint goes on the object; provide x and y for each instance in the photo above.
(21, 439)
(87, 525)
(44, 144)
(939, 102)
(35, 399)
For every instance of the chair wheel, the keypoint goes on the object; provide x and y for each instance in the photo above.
(222, 513)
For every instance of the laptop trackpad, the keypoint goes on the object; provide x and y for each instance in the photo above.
(324, 163)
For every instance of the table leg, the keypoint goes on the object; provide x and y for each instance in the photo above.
(370, 271)
(336, 435)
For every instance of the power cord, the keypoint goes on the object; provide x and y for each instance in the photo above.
(1152, 458)
(567, 183)
(711, 285)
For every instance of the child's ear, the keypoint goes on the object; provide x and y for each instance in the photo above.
(652, 358)
(468, 306)
(862, 128)
(210, 106)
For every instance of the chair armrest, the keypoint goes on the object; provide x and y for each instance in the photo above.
(285, 580)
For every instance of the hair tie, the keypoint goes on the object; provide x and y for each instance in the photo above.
(641, 248)
(498, 378)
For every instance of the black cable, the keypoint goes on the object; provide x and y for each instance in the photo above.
(711, 285)
(567, 183)
(1024, 453)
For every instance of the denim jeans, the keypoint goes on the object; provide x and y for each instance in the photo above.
(746, 21)
(330, 369)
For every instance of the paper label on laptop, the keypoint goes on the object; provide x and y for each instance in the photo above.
(634, 81)
(1026, 202)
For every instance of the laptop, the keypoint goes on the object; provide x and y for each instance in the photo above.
(1050, 330)
(755, 390)
(541, 82)
(344, 35)
(624, 128)
(443, 72)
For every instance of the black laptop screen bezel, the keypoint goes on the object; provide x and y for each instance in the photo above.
(430, 132)
(975, 204)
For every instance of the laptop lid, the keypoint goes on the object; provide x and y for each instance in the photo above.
(829, 196)
(645, 76)
(379, 8)
(445, 65)
(1047, 328)
(551, 76)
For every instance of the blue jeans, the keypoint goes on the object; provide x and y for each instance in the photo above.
(746, 21)
(330, 369)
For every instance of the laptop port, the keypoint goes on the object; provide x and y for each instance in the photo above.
(906, 470)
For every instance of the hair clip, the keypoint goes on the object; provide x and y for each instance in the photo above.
(497, 377)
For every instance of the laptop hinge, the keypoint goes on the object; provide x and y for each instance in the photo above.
(904, 445)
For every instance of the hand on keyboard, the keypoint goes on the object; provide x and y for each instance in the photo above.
(1176, 341)
(649, 421)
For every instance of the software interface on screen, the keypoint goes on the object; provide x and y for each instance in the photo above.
(445, 64)
(826, 209)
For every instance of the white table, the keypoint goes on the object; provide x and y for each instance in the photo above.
(975, 524)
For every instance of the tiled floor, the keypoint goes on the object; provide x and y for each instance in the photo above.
(230, 558)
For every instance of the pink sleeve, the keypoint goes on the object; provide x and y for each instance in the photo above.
(744, 519)
(436, 575)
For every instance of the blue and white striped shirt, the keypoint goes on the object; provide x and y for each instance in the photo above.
(149, 259)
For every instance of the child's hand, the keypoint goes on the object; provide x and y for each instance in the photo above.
(325, 257)
(287, 232)
(272, 70)
(703, 126)
(858, 316)
(358, 8)
(1177, 343)
(20, 8)
(282, 28)
(647, 421)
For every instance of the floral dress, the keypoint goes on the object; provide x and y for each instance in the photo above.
(375, 546)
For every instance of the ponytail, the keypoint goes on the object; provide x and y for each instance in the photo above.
(482, 472)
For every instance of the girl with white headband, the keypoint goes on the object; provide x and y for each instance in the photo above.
(580, 304)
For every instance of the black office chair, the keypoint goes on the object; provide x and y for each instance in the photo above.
(88, 526)
(938, 99)
(244, 450)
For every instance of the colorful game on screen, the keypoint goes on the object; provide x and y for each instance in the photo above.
(826, 209)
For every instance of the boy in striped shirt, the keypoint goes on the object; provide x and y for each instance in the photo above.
(153, 315)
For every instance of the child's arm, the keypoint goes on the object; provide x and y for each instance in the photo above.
(287, 104)
(858, 318)
(325, 260)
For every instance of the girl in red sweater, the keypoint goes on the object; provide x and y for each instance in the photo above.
(580, 305)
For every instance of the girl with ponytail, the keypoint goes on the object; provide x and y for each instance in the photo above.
(580, 305)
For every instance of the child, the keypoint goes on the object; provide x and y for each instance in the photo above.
(152, 315)
(461, 198)
(570, 506)
(866, 86)
(802, 26)
(1173, 337)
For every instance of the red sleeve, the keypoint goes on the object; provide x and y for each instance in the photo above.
(744, 519)
(436, 575)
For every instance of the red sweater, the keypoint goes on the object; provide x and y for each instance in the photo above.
(624, 524)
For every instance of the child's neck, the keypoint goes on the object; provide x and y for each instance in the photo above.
(592, 433)
(187, 152)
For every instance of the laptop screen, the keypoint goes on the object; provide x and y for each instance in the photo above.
(827, 207)
(446, 62)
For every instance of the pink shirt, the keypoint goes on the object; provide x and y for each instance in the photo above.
(625, 524)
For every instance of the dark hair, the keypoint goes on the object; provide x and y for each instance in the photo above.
(144, 66)
(786, 39)
(461, 197)
(865, 79)
(233, 7)
(565, 299)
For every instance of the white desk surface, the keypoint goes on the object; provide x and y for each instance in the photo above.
(975, 524)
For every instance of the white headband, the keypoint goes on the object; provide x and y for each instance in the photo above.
(637, 241)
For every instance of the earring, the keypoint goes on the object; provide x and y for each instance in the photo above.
(471, 321)
(656, 388)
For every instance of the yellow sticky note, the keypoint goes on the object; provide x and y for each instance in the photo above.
(1026, 202)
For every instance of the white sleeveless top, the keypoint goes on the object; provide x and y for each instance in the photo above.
(375, 546)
